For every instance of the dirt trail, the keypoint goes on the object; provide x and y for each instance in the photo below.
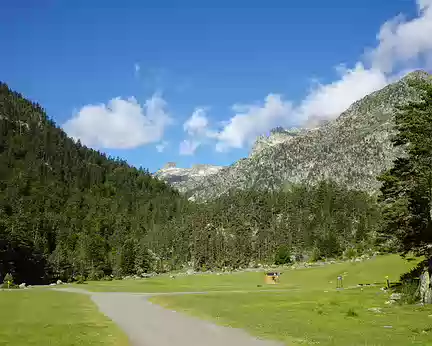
(147, 324)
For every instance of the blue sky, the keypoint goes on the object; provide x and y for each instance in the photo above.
(191, 84)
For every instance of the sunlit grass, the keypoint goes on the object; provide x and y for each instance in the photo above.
(44, 317)
(313, 317)
(370, 271)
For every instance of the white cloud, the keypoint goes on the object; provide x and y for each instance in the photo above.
(252, 120)
(161, 146)
(328, 101)
(121, 123)
(198, 131)
(188, 147)
(323, 102)
(402, 41)
(403, 45)
(197, 124)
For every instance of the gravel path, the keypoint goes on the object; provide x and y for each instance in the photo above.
(147, 324)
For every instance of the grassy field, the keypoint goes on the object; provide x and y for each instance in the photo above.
(370, 271)
(314, 313)
(311, 311)
(313, 317)
(42, 317)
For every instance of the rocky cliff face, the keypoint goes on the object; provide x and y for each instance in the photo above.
(351, 150)
(185, 179)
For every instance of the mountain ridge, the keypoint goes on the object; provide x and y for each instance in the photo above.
(352, 149)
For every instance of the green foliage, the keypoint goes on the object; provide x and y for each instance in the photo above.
(67, 210)
(8, 279)
(407, 186)
(351, 313)
(410, 293)
(80, 279)
(315, 255)
(350, 253)
(283, 255)
(414, 273)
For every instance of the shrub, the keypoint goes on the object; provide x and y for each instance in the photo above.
(80, 279)
(283, 255)
(350, 253)
(8, 279)
(351, 313)
(315, 255)
(95, 274)
(410, 293)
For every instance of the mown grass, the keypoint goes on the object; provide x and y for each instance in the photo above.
(42, 317)
(370, 271)
(317, 313)
(313, 317)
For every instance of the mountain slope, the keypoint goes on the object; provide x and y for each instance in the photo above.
(184, 179)
(351, 150)
(66, 209)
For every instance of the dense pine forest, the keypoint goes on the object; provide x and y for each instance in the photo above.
(67, 211)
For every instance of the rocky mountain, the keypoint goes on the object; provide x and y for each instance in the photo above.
(185, 179)
(351, 150)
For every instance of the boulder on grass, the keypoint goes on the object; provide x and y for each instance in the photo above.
(23, 285)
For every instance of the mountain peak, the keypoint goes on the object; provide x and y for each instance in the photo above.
(417, 74)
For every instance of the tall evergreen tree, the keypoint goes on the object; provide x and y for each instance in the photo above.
(407, 186)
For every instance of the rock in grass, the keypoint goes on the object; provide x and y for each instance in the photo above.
(375, 310)
(396, 296)
(23, 285)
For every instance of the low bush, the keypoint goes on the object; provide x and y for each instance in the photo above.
(283, 256)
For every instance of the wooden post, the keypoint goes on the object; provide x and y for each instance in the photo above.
(339, 283)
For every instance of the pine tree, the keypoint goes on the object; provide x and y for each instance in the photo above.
(407, 186)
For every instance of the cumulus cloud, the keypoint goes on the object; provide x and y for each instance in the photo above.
(252, 120)
(402, 41)
(197, 124)
(329, 100)
(402, 45)
(120, 124)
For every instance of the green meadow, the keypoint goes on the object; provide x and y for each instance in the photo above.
(305, 308)
(350, 317)
(320, 277)
(45, 317)
(315, 313)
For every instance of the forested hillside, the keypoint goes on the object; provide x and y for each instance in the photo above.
(247, 228)
(67, 211)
